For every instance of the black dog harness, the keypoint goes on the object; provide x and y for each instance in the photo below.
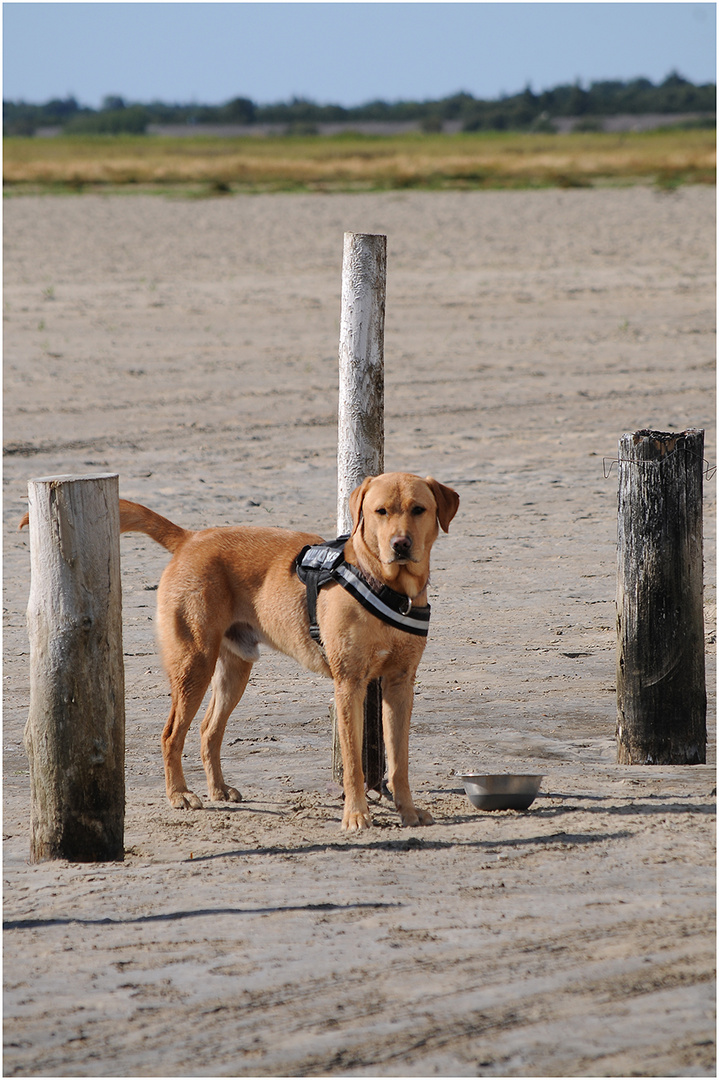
(319, 564)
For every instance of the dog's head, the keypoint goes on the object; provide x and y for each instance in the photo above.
(395, 520)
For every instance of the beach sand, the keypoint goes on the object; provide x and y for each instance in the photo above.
(191, 347)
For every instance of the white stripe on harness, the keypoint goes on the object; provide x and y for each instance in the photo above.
(318, 564)
(417, 624)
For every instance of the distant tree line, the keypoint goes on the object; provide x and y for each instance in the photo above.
(518, 112)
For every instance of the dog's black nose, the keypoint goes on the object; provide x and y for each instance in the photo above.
(401, 545)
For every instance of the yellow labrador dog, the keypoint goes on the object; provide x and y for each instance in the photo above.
(228, 590)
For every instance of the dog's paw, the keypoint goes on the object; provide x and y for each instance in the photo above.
(356, 820)
(185, 800)
(225, 794)
(414, 816)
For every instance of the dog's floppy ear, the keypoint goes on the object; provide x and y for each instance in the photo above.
(447, 502)
(356, 499)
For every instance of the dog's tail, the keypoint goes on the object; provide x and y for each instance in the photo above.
(137, 518)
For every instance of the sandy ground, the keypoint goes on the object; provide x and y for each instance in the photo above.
(190, 346)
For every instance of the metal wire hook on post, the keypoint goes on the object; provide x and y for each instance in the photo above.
(708, 471)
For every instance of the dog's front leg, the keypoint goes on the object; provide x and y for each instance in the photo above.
(349, 702)
(397, 700)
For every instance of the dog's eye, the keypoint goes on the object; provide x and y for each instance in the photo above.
(381, 510)
(417, 510)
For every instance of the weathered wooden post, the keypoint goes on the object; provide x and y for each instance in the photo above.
(75, 733)
(360, 435)
(360, 420)
(661, 690)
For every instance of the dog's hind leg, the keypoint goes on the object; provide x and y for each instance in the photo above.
(188, 683)
(228, 686)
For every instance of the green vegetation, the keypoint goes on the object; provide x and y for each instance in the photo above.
(519, 112)
(213, 166)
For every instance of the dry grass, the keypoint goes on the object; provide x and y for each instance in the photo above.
(356, 162)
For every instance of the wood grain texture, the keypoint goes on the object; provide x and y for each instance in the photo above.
(661, 692)
(75, 733)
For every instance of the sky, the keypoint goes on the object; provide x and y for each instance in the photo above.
(342, 53)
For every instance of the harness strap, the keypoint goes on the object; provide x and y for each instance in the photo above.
(318, 564)
(389, 606)
(315, 564)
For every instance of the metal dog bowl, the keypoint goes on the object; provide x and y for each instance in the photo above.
(509, 791)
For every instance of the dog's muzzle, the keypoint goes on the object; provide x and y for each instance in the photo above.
(402, 548)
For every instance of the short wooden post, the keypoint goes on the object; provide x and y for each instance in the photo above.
(75, 733)
(360, 429)
(661, 690)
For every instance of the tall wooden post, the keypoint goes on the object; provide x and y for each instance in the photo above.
(661, 691)
(360, 428)
(75, 733)
(360, 420)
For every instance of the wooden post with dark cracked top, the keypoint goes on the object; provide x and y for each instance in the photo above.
(661, 688)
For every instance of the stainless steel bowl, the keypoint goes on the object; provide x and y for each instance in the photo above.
(509, 791)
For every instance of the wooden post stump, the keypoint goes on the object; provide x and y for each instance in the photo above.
(661, 691)
(360, 431)
(75, 733)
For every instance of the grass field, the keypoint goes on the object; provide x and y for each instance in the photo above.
(207, 165)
